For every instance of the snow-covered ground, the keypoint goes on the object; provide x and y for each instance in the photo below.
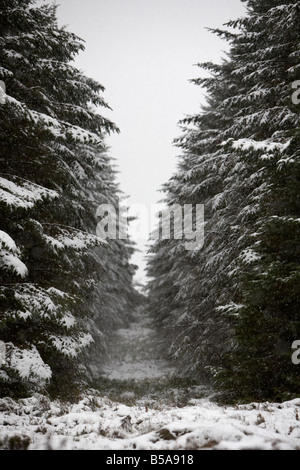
(134, 353)
(142, 408)
(98, 423)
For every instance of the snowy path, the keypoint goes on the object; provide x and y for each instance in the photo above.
(134, 353)
(144, 408)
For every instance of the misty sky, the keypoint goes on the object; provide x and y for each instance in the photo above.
(144, 52)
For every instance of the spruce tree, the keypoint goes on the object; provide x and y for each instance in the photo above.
(268, 268)
(237, 298)
(55, 171)
(202, 277)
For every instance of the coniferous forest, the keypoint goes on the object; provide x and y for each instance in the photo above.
(231, 308)
(62, 289)
(224, 315)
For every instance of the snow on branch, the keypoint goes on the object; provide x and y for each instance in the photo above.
(71, 346)
(61, 237)
(32, 300)
(249, 256)
(59, 129)
(28, 364)
(231, 309)
(254, 145)
(10, 256)
(16, 192)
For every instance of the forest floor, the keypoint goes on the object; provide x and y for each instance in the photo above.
(134, 353)
(138, 404)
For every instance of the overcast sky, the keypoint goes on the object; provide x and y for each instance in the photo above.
(144, 52)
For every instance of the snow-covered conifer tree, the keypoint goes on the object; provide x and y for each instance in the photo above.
(54, 172)
(232, 305)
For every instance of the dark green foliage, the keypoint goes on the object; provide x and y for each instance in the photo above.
(62, 289)
(231, 309)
